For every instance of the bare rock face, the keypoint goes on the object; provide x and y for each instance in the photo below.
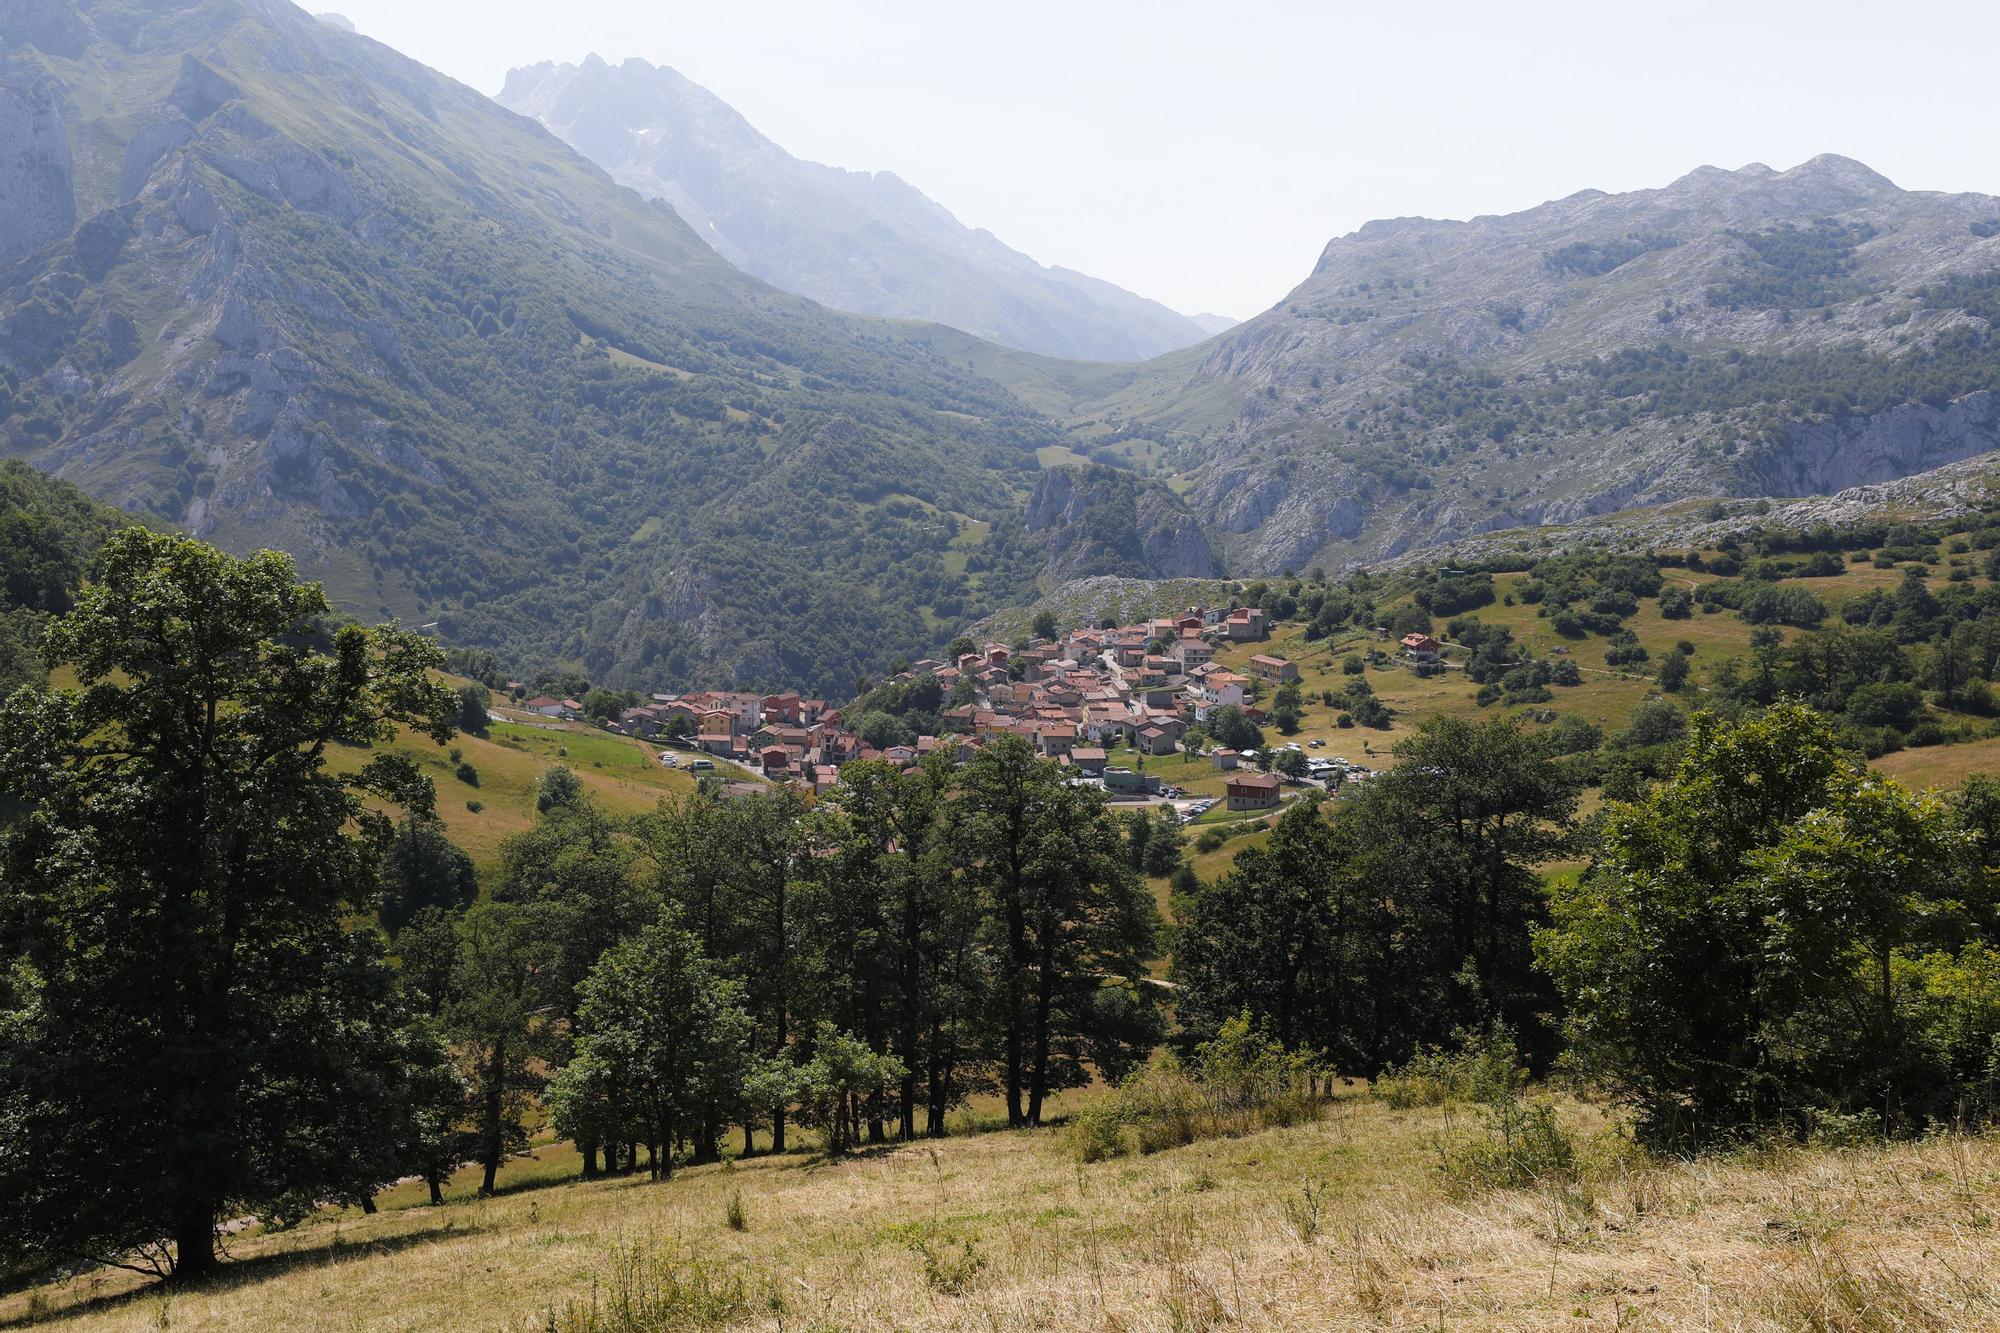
(1097, 519)
(1826, 457)
(37, 176)
(51, 26)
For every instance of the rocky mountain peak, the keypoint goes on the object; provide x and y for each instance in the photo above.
(856, 240)
(1434, 379)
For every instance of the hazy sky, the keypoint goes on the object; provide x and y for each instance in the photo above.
(1203, 153)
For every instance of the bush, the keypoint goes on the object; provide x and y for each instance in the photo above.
(1095, 1134)
(1523, 1145)
(466, 773)
(1474, 1071)
(1239, 1083)
(1519, 1142)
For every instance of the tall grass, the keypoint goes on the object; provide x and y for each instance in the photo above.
(1514, 1141)
(648, 1289)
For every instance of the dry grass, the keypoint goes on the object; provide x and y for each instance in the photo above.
(1340, 1224)
(1941, 765)
(621, 774)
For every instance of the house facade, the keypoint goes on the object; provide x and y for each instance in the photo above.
(1253, 791)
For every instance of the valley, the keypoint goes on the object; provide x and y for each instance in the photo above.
(576, 433)
(605, 729)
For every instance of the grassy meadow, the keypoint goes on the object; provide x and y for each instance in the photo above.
(622, 774)
(1343, 1223)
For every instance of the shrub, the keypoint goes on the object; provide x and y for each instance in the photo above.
(1302, 1210)
(948, 1270)
(1519, 1142)
(1523, 1145)
(1474, 1071)
(466, 773)
(1095, 1134)
(1239, 1083)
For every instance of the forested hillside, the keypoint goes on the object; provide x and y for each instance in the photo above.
(285, 288)
(1765, 974)
(49, 535)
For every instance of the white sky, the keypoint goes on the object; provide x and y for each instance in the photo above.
(1202, 153)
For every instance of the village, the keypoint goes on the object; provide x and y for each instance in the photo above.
(1141, 711)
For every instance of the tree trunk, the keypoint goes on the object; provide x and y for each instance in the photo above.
(194, 1246)
(368, 1205)
(707, 1144)
(940, 1085)
(749, 1136)
(492, 1138)
(1018, 948)
(437, 1189)
(912, 985)
(589, 1151)
(1044, 1002)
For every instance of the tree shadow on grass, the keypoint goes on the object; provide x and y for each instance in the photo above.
(247, 1271)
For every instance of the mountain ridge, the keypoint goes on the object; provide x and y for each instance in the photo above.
(315, 296)
(1431, 379)
(865, 241)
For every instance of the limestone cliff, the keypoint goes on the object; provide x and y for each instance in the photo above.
(1103, 521)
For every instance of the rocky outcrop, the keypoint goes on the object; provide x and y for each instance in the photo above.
(37, 176)
(1821, 458)
(1098, 520)
(50, 26)
(201, 90)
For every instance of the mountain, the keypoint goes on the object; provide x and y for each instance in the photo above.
(854, 240)
(271, 281)
(1734, 333)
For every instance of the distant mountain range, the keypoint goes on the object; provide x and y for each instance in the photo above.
(271, 281)
(1752, 332)
(854, 240)
(266, 279)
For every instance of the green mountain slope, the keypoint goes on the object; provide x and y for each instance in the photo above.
(285, 287)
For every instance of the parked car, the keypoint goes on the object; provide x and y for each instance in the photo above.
(702, 765)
